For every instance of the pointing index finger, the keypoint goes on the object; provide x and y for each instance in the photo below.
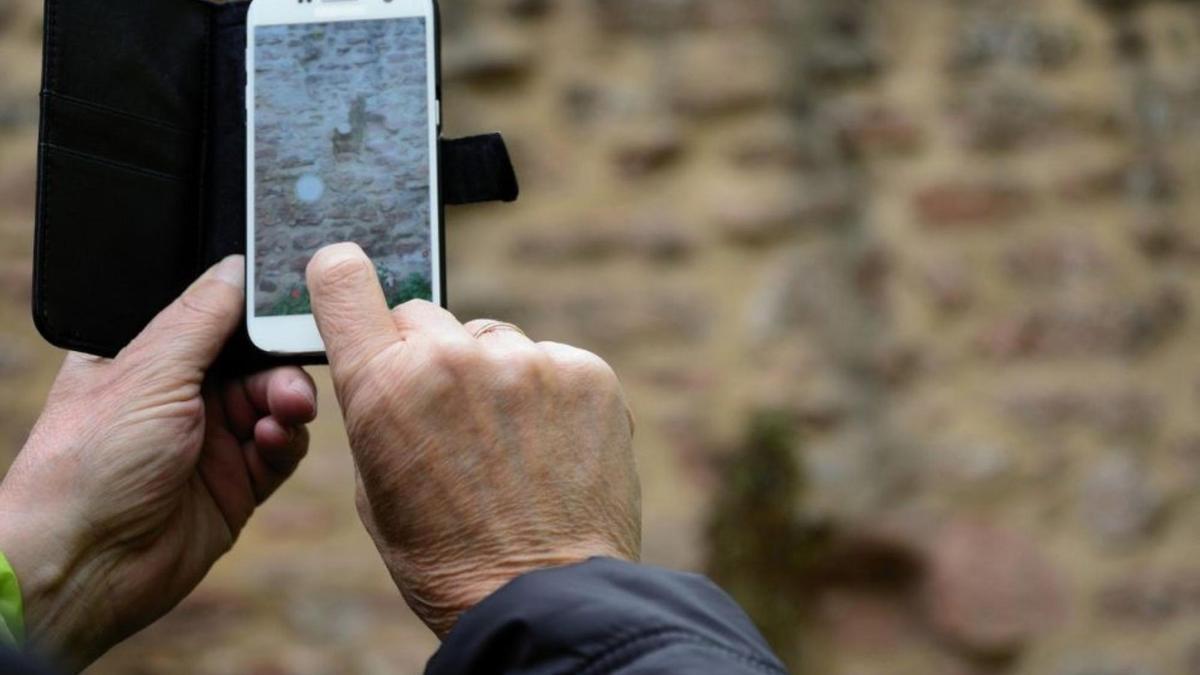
(349, 306)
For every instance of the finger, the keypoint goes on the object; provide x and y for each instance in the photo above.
(274, 455)
(571, 357)
(351, 311)
(576, 362)
(499, 334)
(426, 318)
(240, 414)
(189, 334)
(223, 468)
(287, 394)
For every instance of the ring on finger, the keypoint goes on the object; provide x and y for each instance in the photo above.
(496, 327)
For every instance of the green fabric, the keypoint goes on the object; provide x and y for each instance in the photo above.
(12, 613)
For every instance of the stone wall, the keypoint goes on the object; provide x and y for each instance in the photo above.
(903, 293)
(343, 153)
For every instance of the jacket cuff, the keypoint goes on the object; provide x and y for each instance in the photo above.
(585, 616)
(12, 611)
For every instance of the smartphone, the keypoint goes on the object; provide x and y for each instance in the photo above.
(343, 115)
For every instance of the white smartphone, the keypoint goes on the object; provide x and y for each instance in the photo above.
(343, 116)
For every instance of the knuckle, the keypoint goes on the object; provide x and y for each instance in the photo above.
(204, 302)
(457, 357)
(477, 325)
(520, 371)
(424, 304)
(588, 369)
(415, 308)
(438, 385)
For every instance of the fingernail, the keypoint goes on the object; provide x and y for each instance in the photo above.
(303, 389)
(345, 249)
(335, 254)
(231, 270)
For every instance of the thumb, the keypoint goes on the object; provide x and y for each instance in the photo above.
(190, 333)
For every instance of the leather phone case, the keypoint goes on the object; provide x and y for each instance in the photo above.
(142, 172)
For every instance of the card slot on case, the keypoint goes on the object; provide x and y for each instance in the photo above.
(130, 55)
(98, 268)
(119, 139)
(104, 109)
(116, 165)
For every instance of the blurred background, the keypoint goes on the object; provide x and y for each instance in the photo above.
(903, 294)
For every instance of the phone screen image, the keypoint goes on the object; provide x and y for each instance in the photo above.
(341, 153)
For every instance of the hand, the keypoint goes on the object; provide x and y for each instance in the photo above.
(140, 474)
(481, 456)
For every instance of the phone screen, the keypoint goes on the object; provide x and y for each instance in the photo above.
(342, 147)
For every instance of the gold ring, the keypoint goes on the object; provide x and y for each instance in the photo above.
(496, 326)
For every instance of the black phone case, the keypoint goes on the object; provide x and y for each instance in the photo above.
(141, 169)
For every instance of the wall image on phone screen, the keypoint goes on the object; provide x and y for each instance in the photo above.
(341, 154)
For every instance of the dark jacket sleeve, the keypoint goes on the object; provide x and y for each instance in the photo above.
(12, 663)
(606, 617)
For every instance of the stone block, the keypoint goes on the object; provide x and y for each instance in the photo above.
(1118, 504)
(957, 205)
(991, 591)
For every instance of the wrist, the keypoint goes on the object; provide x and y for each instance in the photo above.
(449, 592)
(55, 587)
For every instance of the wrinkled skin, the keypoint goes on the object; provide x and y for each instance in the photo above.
(480, 454)
(142, 471)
